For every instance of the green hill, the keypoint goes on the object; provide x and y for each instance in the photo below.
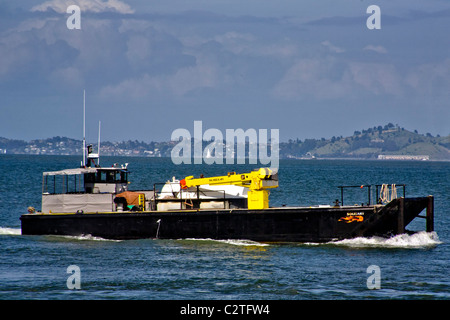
(369, 144)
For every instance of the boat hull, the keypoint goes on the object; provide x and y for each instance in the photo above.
(286, 224)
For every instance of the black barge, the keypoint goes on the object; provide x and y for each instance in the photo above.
(95, 201)
(284, 224)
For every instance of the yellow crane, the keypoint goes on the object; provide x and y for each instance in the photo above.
(257, 181)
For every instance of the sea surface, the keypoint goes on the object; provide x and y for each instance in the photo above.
(409, 266)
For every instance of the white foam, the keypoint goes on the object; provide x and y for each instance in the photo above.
(10, 231)
(244, 242)
(234, 242)
(417, 240)
(88, 237)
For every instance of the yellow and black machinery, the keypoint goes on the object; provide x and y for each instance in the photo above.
(258, 182)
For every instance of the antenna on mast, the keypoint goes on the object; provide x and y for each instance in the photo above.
(89, 157)
(98, 147)
(83, 163)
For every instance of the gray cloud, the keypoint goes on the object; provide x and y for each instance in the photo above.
(61, 6)
(215, 66)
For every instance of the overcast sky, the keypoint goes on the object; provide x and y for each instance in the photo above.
(309, 68)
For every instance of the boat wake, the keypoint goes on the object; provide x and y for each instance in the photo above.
(234, 242)
(417, 240)
(10, 231)
(86, 237)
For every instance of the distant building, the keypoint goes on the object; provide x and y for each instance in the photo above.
(402, 157)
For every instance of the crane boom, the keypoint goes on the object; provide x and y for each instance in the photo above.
(257, 181)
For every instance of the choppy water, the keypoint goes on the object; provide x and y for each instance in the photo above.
(411, 266)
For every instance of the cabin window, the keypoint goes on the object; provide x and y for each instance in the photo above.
(89, 177)
(58, 184)
(123, 177)
(110, 177)
(101, 176)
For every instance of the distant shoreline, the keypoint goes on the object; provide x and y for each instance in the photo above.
(283, 159)
(369, 144)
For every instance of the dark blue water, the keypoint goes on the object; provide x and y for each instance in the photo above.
(412, 267)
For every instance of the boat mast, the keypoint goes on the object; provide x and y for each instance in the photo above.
(84, 129)
(98, 147)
